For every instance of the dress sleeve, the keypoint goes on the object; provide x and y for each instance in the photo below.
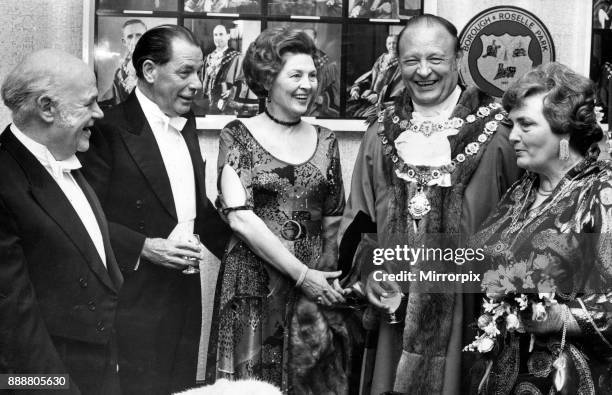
(233, 151)
(334, 202)
(593, 310)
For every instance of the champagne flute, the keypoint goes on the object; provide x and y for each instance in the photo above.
(192, 239)
(392, 301)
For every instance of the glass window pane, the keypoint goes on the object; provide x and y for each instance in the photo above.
(384, 9)
(305, 7)
(372, 69)
(378, 9)
(602, 14)
(139, 5)
(224, 42)
(117, 37)
(327, 37)
(349, 51)
(409, 8)
(224, 6)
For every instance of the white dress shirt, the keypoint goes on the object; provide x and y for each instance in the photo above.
(177, 161)
(434, 150)
(60, 171)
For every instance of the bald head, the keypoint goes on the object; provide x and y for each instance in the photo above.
(46, 73)
(220, 36)
(53, 97)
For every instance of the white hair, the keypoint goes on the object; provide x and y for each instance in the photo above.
(21, 89)
(240, 387)
(40, 73)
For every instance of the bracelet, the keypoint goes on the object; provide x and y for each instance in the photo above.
(300, 280)
(227, 210)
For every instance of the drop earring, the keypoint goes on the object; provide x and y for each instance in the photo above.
(564, 149)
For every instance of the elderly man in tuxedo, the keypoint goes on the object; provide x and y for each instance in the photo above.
(146, 166)
(59, 281)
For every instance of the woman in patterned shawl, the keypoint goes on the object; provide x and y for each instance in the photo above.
(280, 186)
(556, 221)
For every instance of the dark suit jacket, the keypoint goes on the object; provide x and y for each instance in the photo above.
(53, 286)
(160, 309)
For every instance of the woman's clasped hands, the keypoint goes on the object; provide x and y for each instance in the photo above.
(317, 287)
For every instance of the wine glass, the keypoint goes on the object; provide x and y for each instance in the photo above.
(192, 239)
(392, 301)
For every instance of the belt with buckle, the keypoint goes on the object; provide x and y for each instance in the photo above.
(295, 229)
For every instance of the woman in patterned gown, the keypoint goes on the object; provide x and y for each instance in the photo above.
(557, 221)
(280, 186)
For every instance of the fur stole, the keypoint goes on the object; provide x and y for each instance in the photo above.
(319, 352)
(226, 387)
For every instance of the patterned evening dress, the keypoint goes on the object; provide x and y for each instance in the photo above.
(570, 236)
(263, 326)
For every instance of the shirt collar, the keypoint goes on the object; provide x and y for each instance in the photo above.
(45, 157)
(154, 113)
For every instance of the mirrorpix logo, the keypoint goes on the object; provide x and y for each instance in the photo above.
(500, 45)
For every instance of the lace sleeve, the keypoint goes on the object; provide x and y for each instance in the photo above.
(233, 151)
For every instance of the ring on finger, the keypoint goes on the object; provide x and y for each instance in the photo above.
(319, 299)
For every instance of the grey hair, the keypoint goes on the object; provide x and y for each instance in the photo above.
(22, 88)
(44, 73)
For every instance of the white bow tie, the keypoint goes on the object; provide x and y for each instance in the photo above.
(177, 123)
(59, 167)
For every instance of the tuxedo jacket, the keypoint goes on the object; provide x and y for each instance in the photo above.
(54, 287)
(160, 309)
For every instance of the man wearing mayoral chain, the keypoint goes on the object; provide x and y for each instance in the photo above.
(435, 161)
